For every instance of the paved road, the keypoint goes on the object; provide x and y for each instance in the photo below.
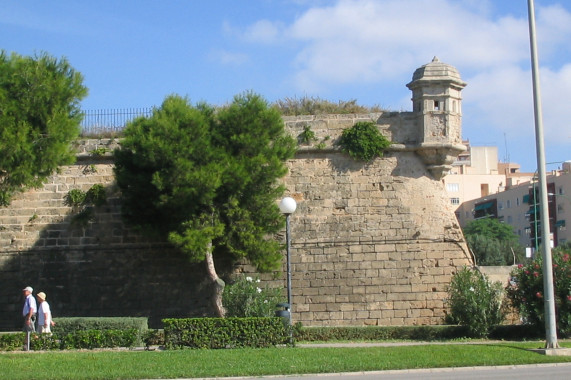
(522, 372)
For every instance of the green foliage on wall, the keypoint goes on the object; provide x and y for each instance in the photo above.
(84, 202)
(307, 136)
(363, 141)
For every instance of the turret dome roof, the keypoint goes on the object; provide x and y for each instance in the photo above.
(437, 70)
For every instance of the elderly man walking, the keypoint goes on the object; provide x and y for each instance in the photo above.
(29, 312)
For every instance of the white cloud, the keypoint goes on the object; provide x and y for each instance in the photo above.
(352, 42)
(503, 98)
(367, 40)
(556, 92)
(226, 57)
(263, 31)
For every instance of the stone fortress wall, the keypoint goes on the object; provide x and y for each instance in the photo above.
(373, 243)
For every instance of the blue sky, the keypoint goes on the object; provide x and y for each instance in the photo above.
(134, 53)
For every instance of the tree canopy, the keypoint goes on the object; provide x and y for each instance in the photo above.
(493, 242)
(492, 228)
(207, 179)
(40, 116)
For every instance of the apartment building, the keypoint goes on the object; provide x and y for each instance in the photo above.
(477, 173)
(518, 206)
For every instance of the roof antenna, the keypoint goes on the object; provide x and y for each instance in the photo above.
(507, 153)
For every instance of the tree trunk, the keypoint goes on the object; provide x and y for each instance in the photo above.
(217, 284)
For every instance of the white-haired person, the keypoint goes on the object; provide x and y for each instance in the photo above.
(29, 313)
(30, 309)
(45, 321)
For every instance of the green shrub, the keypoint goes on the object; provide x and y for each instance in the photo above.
(12, 341)
(475, 302)
(245, 298)
(363, 141)
(526, 290)
(90, 339)
(79, 339)
(154, 337)
(379, 333)
(414, 333)
(74, 198)
(96, 195)
(224, 332)
(70, 325)
(84, 203)
(307, 136)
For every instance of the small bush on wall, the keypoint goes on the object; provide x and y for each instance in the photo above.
(363, 141)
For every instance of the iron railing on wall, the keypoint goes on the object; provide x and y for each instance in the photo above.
(111, 120)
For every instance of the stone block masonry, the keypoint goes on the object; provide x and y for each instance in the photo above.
(373, 243)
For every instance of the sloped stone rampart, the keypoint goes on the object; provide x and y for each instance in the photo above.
(372, 243)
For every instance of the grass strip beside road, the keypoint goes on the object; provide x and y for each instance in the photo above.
(259, 362)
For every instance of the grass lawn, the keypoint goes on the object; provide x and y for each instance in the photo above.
(258, 362)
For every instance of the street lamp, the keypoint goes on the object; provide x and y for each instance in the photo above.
(549, 302)
(287, 207)
(559, 195)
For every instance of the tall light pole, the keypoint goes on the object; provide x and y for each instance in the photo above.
(287, 207)
(549, 303)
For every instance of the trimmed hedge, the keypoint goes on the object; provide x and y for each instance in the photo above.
(80, 339)
(422, 333)
(69, 325)
(425, 333)
(12, 341)
(225, 332)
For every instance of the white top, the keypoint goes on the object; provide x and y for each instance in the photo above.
(44, 314)
(29, 304)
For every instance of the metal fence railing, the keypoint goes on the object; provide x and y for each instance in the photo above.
(110, 120)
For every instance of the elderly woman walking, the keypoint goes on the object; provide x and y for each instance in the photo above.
(45, 321)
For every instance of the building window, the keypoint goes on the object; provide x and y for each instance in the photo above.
(510, 220)
(484, 189)
(517, 201)
(453, 187)
(509, 203)
(455, 201)
(500, 205)
(436, 105)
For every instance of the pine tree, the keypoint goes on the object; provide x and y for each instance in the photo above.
(208, 180)
(39, 118)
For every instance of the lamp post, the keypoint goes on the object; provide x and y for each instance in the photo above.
(287, 207)
(535, 214)
(549, 302)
